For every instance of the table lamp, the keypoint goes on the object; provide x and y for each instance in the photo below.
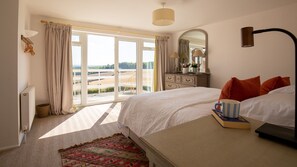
(270, 131)
(198, 53)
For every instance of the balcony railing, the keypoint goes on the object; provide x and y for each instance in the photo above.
(101, 83)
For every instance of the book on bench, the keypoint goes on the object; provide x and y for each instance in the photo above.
(238, 123)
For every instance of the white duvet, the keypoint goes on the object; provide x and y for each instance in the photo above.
(277, 107)
(148, 113)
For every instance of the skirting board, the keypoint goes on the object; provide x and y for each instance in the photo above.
(8, 147)
(21, 137)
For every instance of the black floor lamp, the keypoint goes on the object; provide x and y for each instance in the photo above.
(270, 131)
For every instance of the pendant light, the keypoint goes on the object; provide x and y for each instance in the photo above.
(163, 16)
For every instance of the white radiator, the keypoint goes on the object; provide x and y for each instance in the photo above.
(27, 108)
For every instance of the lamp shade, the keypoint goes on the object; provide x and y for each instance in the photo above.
(198, 53)
(174, 55)
(247, 37)
(163, 17)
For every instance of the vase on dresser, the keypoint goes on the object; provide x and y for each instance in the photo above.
(195, 70)
(185, 70)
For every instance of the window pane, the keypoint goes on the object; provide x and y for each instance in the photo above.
(76, 69)
(75, 38)
(148, 71)
(149, 44)
(100, 79)
(127, 67)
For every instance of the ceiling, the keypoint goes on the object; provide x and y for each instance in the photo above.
(137, 14)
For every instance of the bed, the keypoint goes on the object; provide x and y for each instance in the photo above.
(145, 114)
(148, 113)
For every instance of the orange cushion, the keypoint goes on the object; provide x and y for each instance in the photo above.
(274, 83)
(241, 89)
(286, 81)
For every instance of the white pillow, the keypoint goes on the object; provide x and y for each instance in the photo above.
(274, 108)
(287, 89)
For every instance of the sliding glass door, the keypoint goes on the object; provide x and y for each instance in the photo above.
(127, 68)
(100, 69)
(109, 68)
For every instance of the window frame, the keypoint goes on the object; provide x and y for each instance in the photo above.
(83, 43)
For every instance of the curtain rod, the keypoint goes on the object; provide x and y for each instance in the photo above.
(43, 21)
(106, 29)
(46, 22)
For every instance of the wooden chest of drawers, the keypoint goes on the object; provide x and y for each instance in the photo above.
(173, 81)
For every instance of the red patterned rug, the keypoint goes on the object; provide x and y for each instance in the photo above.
(113, 151)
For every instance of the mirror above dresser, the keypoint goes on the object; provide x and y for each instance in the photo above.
(193, 48)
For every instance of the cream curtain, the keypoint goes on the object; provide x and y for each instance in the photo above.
(59, 67)
(161, 63)
(184, 50)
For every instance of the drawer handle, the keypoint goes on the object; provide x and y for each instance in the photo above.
(188, 80)
(169, 85)
(169, 77)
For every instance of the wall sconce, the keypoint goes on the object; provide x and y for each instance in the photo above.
(270, 131)
(28, 42)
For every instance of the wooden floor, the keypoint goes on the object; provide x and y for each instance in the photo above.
(52, 133)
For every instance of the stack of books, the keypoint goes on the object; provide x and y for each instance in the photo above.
(238, 123)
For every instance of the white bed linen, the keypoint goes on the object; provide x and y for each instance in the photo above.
(275, 108)
(148, 113)
(287, 89)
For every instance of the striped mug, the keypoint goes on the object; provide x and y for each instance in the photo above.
(229, 108)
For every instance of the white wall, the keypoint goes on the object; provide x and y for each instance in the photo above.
(23, 58)
(272, 55)
(37, 73)
(13, 71)
(15, 75)
(8, 71)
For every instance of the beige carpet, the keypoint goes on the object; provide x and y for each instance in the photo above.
(49, 134)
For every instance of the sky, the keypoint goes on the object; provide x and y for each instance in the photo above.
(101, 51)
